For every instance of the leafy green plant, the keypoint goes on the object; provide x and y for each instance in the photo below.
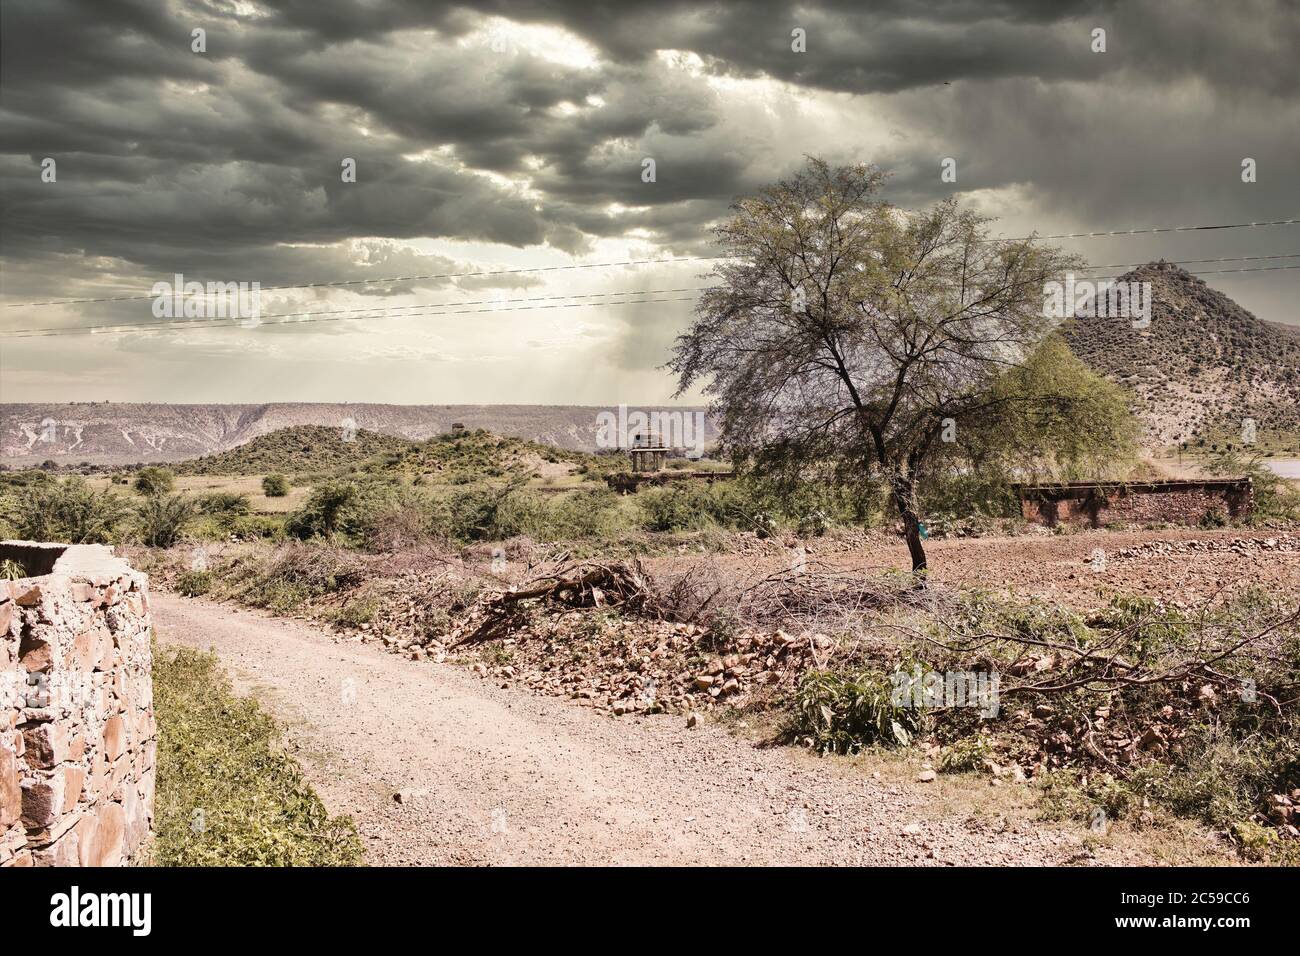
(275, 486)
(845, 713)
(227, 504)
(965, 755)
(357, 612)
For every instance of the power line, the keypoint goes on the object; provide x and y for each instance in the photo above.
(189, 323)
(637, 262)
(184, 325)
(1188, 262)
(1140, 232)
(439, 275)
(419, 311)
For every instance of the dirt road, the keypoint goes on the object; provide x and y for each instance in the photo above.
(493, 776)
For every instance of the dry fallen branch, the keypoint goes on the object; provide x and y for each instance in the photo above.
(622, 584)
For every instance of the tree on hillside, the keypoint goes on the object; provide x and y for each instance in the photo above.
(847, 331)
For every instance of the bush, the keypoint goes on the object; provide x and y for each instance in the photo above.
(964, 755)
(154, 481)
(344, 510)
(160, 519)
(227, 793)
(275, 486)
(226, 504)
(482, 513)
(68, 511)
(1274, 496)
(257, 527)
(293, 575)
(683, 507)
(1228, 750)
(358, 611)
(844, 713)
(194, 583)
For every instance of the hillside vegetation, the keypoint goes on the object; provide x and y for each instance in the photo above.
(1202, 366)
(302, 448)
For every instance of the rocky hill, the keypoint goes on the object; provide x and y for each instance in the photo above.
(125, 433)
(1202, 365)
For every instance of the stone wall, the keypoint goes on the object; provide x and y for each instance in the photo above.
(77, 732)
(1175, 501)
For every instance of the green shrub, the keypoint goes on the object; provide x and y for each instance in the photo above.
(475, 513)
(154, 480)
(682, 507)
(223, 504)
(1274, 497)
(965, 755)
(843, 713)
(254, 527)
(194, 583)
(357, 612)
(68, 511)
(345, 510)
(1214, 517)
(227, 793)
(291, 576)
(275, 486)
(160, 519)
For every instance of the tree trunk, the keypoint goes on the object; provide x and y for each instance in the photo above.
(903, 484)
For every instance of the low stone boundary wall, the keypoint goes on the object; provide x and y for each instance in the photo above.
(1094, 504)
(77, 732)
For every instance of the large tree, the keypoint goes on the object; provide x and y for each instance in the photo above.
(845, 331)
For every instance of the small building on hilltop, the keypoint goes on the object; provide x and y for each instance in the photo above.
(1095, 504)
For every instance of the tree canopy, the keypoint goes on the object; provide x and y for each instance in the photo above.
(847, 335)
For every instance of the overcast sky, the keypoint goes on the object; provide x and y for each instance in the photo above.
(491, 136)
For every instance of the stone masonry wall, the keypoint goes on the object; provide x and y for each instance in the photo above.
(1185, 504)
(77, 732)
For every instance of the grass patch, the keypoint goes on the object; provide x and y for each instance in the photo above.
(227, 793)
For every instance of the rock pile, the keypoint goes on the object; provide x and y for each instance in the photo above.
(632, 665)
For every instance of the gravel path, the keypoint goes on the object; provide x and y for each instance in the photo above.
(502, 777)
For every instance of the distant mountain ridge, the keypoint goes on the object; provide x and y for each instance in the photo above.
(125, 433)
(1202, 366)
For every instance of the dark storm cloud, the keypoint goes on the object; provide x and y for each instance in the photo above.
(226, 165)
(882, 46)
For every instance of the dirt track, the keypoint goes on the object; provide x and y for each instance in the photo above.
(503, 777)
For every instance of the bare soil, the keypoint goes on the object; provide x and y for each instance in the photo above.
(1189, 565)
(491, 776)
